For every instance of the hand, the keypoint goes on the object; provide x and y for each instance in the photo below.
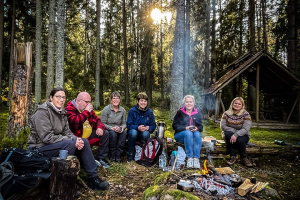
(232, 139)
(79, 143)
(142, 128)
(89, 107)
(147, 128)
(195, 129)
(116, 128)
(99, 132)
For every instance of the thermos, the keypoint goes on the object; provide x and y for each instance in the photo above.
(161, 129)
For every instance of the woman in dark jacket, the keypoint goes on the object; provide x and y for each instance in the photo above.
(140, 123)
(50, 133)
(187, 124)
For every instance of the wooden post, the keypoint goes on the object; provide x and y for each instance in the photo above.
(21, 90)
(257, 93)
(248, 97)
(234, 88)
(217, 106)
(291, 112)
(63, 178)
(240, 85)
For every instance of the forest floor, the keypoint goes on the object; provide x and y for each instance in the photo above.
(130, 180)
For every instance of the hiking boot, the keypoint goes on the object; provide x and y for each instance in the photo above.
(245, 161)
(98, 163)
(118, 159)
(231, 161)
(104, 163)
(196, 163)
(96, 183)
(190, 163)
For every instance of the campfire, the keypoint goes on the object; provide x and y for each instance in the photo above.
(204, 171)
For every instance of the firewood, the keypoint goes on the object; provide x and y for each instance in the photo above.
(254, 187)
(245, 187)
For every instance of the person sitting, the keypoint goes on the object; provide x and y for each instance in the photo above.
(235, 124)
(84, 123)
(187, 124)
(50, 133)
(113, 117)
(140, 123)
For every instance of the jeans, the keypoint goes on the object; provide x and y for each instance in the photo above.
(103, 148)
(240, 144)
(84, 155)
(133, 137)
(116, 142)
(192, 142)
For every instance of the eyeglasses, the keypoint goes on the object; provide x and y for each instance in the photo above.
(60, 97)
(87, 102)
(116, 98)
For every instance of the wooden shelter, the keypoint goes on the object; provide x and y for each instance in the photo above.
(276, 88)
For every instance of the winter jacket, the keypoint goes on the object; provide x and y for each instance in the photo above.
(182, 120)
(138, 117)
(77, 119)
(48, 126)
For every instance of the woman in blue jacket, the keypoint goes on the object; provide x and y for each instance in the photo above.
(140, 123)
(187, 124)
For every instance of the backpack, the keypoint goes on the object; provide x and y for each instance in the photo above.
(25, 161)
(149, 152)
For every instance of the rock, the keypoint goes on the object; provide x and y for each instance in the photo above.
(168, 197)
(153, 198)
(270, 192)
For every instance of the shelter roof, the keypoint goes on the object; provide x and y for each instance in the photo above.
(274, 76)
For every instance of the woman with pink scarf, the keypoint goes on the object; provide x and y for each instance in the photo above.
(187, 124)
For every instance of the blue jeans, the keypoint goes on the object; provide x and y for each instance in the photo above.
(133, 137)
(192, 142)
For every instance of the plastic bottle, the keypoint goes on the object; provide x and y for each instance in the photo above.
(162, 160)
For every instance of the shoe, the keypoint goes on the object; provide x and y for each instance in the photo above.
(190, 163)
(96, 183)
(112, 158)
(98, 163)
(245, 161)
(231, 161)
(196, 163)
(130, 159)
(118, 159)
(104, 163)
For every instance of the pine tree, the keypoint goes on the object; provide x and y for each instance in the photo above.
(38, 52)
(98, 55)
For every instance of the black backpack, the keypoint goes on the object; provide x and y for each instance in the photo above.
(150, 152)
(26, 161)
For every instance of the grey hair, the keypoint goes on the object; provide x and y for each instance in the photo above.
(188, 96)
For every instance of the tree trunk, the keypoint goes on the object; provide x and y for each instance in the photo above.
(21, 93)
(241, 11)
(11, 59)
(252, 25)
(38, 53)
(60, 45)
(125, 54)
(207, 44)
(178, 62)
(264, 9)
(51, 48)
(161, 60)
(187, 47)
(86, 37)
(98, 55)
(291, 33)
(63, 178)
(213, 44)
(1, 45)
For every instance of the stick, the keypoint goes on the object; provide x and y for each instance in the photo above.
(174, 163)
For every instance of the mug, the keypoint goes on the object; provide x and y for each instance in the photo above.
(63, 154)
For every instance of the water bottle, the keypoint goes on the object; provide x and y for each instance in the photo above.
(162, 160)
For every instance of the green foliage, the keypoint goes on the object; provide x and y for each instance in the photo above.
(161, 177)
(20, 141)
(118, 168)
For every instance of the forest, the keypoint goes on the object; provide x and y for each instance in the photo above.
(165, 48)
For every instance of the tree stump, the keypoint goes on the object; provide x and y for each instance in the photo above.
(63, 178)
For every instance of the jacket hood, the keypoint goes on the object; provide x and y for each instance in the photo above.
(194, 112)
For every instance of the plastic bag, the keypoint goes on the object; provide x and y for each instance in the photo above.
(138, 152)
(181, 156)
